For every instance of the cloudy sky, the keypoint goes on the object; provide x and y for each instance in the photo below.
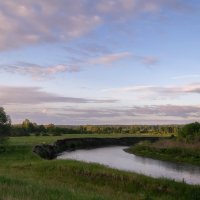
(100, 61)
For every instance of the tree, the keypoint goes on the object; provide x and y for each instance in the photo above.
(41, 128)
(5, 127)
(28, 126)
(190, 132)
(50, 128)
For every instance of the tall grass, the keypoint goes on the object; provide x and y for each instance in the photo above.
(24, 176)
(171, 150)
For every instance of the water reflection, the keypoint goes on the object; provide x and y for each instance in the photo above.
(116, 157)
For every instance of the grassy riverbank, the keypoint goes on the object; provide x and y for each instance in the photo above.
(170, 150)
(33, 140)
(24, 176)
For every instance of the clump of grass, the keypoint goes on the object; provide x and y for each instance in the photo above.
(168, 149)
(28, 190)
(51, 178)
(168, 143)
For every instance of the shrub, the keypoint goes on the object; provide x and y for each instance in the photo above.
(5, 127)
(190, 132)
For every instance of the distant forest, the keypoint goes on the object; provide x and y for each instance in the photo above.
(30, 128)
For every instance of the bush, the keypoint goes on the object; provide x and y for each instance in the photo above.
(44, 134)
(190, 132)
(3, 143)
(37, 134)
(56, 134)
(5, 127)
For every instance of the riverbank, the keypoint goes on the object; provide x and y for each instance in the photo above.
(116, 158)
(50, 151)
(24, 175)
(169, 150)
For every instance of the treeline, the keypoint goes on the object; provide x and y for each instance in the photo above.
(29, 128)
(132, 129)
(188, 132)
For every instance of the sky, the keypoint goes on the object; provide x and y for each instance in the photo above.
(100, 61)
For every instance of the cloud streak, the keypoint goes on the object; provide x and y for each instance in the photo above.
(37, 71)
(138, 111)
(109, 58)
(121, 9)
(158, 91)
(168, 110)
(35, 95)
(152, 114)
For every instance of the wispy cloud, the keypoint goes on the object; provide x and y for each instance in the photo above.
(181, 111)
(148, 60)
(35, 95)
(120, 9)
(37, 71)
(154, 91)
(109, 58)
(168, 110)
(30, 22)
(152, 114)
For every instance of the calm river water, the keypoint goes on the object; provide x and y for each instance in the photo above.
(116, 157)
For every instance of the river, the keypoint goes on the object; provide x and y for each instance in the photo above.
(116, 157)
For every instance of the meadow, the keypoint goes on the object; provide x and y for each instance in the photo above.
(25, 176)
(169, 150)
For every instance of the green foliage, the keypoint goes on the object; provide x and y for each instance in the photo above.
(5, 126)
(38, 133)
(24, 176)
(28, 128)
(44, 134)
(190, 132)
(170, 150)
(3, 143)
(131, 129)
(5, 123)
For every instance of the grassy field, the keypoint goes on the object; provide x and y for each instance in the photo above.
(24, 176)
(33, 140)
(170, 150)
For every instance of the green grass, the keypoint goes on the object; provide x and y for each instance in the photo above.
(169, 150)
(33, 140)
(24, 176)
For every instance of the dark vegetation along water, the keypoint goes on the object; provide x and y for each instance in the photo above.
(183, 149)
(116, 157)
(50, 151)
